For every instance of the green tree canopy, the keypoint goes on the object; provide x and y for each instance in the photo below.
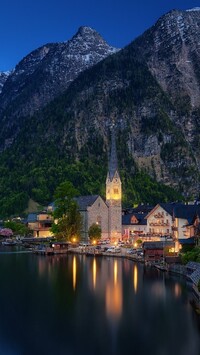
(17, 227)
(64, 195)
(68, 220)
(94, 232)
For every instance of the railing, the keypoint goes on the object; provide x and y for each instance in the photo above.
(161, 224)
(158, 215)
(41, 228)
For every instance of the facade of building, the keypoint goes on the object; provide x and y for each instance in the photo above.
(40, 224)
(175, 220)
(93, 209)
(134, 225)
(158, 250)
(160, 220)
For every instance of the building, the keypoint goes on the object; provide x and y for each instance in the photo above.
(134, 225)
(40, 224)
(175, 220)
(93, 210)
(158, 250)
(160, 220)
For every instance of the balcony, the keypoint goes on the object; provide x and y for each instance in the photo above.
(159, 215)
(41, 228)
(159, 224)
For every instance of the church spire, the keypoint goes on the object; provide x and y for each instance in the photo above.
(114, 193)
(113, 162)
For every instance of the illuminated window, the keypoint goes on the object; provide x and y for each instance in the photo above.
(99, 220)
(116, 191)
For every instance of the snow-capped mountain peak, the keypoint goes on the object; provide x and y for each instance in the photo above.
(193, 9)
(53, 67)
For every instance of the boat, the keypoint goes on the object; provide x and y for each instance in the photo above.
(9, 242)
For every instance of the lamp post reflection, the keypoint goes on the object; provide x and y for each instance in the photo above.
(135, 278)
(94, 272)
(177, 290)
(115, 272)
(114, 295)
(74, 271)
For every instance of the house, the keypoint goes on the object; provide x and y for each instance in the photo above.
(160, 220)
(158, 250)
(134, 225)
(176, 220)
(40, 224)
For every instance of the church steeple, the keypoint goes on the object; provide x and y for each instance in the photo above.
(113, 192)
(113, 162)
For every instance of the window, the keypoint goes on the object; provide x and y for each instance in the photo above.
(116, 191)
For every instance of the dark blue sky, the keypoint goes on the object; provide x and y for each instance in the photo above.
(27, 24)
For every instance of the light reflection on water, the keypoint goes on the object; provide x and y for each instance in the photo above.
(87, 305)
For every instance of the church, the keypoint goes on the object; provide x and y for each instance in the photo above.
(107, 214)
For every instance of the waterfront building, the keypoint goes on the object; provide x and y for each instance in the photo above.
(93, 209)
(160, 220)
(40, 224)
(134, 225)
(175, 220)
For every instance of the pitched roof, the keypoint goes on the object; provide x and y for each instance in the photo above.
(158, 245)
(32, 217)
(179, 210)
(188, 241)
(187, 212)
(85, 201)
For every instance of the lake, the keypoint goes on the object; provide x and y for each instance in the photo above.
(77, 305)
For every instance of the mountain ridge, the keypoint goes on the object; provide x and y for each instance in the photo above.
(69, 137)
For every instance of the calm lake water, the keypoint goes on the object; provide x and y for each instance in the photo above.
(80, 305)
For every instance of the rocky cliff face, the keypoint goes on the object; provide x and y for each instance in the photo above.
(171, 49)
(3, 77)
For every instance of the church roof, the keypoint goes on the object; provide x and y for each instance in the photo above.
(85, 201)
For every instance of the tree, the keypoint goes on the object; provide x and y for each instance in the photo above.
(68, 220)
(6, 232)
(17, 228)
(64, 196)
(94, 232)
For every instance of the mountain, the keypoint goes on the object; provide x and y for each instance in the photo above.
(171, 49)
(3, 78)
(48, 71)
(153, 111)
